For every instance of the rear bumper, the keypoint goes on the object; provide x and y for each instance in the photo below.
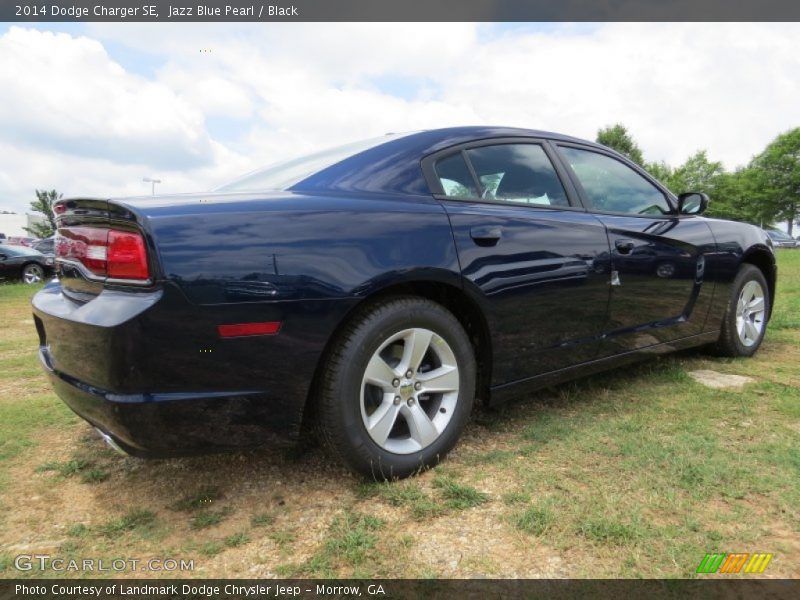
(168, 424)
(150, 369)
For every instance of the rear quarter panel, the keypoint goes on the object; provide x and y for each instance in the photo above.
(304, 260)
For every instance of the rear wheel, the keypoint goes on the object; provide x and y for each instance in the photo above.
(398, 388)
(745, 319)
(32, 273)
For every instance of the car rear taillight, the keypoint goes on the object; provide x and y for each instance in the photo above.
(111, 253)
(126, 257)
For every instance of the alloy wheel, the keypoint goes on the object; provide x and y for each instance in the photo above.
(409, 391)
(32, 274)
(750, 313)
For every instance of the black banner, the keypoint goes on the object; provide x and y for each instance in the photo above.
(176, 11)
(463, 589)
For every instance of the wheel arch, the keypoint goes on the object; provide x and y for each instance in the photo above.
(451, 297)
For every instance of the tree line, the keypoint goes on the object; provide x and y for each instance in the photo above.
(765, 191)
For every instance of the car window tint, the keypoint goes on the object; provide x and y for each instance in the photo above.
(517, 173)
(612, 186)
(455, 177)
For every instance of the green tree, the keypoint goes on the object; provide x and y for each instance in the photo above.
(661, 171)
(732, 197)
(617, 137)
(697, 174)
(775, 179)
(44, 205)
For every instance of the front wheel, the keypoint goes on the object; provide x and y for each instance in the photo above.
(32, 273)
(745, 321)
(398, 388)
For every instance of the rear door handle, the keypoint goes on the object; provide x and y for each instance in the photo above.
(486, 235)
(624, 246)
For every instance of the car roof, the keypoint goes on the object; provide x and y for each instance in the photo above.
(20, 250)
(391, 167)
(394, 166)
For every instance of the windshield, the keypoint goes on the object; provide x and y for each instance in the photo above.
(778, 235)
(283, 175)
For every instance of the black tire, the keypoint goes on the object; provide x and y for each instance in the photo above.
(340, 417)
(730, 342)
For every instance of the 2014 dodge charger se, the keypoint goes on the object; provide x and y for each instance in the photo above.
(378, 288)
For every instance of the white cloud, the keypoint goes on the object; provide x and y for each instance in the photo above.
(75, 119)
(65, 93)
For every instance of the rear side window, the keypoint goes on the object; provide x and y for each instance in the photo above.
(612, 186)
(514, 173)
(455, 177)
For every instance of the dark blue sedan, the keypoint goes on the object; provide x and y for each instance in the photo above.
(374, 291)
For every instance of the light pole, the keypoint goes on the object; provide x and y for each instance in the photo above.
(154, 182)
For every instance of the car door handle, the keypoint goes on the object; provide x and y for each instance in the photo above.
(486, 235)
(624, 246)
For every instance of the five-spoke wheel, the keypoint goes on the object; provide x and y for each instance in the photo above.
(745, 320)
(32, 273)
(751, 313)
(409, 390)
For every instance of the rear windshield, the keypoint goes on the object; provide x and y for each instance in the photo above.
(283, 175)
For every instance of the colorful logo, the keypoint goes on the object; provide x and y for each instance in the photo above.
(734, 563)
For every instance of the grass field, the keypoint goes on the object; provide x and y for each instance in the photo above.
(635, 473)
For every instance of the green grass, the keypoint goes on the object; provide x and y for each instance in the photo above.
(534, 520)
(86, 468)
(283, 538)
(262, 520)
(457, 495)
(209, 518)
(201, 499)
(409, 495)
(137, 519)
(606, 531)
(237, 539)
(351, 539)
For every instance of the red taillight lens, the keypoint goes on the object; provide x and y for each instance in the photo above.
(86, 245)
(105, 252)
(127, 257)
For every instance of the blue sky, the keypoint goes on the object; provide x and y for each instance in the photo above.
(92, 108)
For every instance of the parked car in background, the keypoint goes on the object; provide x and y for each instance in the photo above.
(372, 292)
(21, 241)
(47, 247)
(21, 262)
(781, 239)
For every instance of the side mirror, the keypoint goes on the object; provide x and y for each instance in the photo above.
(692, 203)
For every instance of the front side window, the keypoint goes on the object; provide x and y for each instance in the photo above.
(612, 186)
